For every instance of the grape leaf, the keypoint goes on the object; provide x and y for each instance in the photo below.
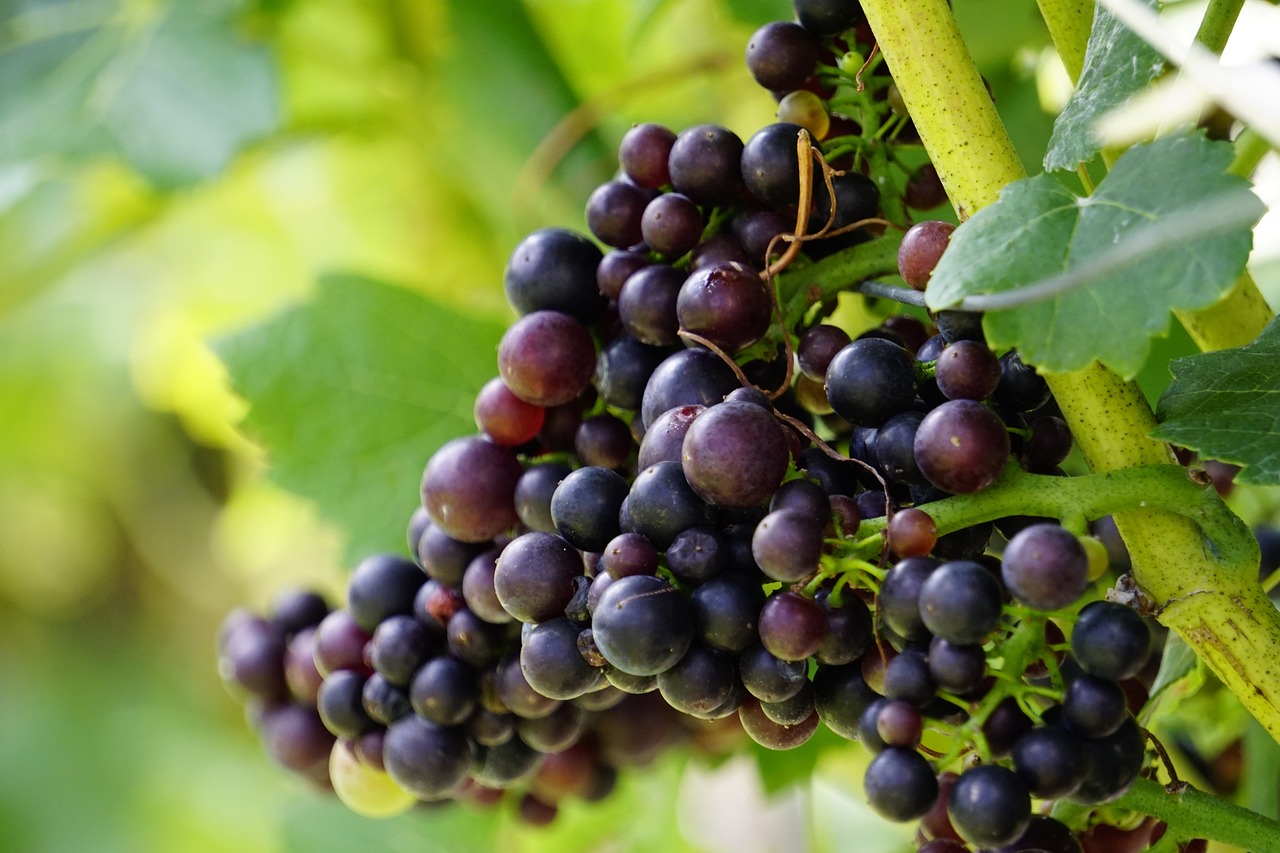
(352, 393)
(177, 91)
(1038, 229)
(1117, 65)
(1226, 405)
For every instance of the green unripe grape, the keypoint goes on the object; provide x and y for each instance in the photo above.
(1096, 552)
(806, 109)
(851, 63)
(363, 789)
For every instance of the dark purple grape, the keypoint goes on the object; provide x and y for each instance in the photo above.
(735, 455)
(468, 489)
(555, 732)
(781, 55)
(961, 603)
(383, 701)
(756, 230)
(771, 163)
(899, 600)
(1093, 707)
(616, 267)
(604, 441)
(551, 662)
(479, 592)
(504, 418)
(957, 669)
(546, 358)
(989, 805)
(911, 532)
(1044, 566)
(845, 515)
(664, 440)
(792, 711)
(869, 726)
(792, 627)
(643, 155)
(614, 210)
(966, 544)
(554, 269)
(771, 734)
(633, 685)
(827, 17)
(419, 521)
(1049, 444)
(1020, 388)
(339, 644)
(959, 325)
(297, 609)
(967, 370)
(340, 703)
(647, 305)
(671, 225)
(805, 497)
(444, 558)
(857, 198)
(696, 555)
(642, 625)
(848, 630)
(251, 658)
(399, 646)
(1004, 726)
(704, 164)
(899, 723)
(300, 671)
(661, 504)
(768, 678)
(726, 611)
(924, 189)
(628, 554)
(534, 576)
(728, 304)
(426, 760)
(444, 691)
(962, 446)
(1051, 761)
(1043, 835)
(1114, 762)
(1110, 640)
(533, 494)
(700, 682)
(506, 764)
(841, 695)
(787, 545)
(476, 641)
(900, 784)
(907, 677)
(517, 695)
(382, 586)
(870, 380)
(722, 248)
(817, 347)
(296, 738)
(921, 248)
(690, 377)
(585, 507)
(871, 504)
(622, 370)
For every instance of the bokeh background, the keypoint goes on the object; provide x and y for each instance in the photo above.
(173, 173)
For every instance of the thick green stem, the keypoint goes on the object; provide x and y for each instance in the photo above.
(1191, 813)
(1222, 613)
(1069, 22)
(1219, 20)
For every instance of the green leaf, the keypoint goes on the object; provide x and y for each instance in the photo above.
(1117, 65)
(176, 91)
(1038, 229)
(1181, 674)
(1226, 405)
(353, 392)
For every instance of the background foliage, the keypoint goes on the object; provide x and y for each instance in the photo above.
(174, 174)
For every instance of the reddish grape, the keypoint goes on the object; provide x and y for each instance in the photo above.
(920, 250)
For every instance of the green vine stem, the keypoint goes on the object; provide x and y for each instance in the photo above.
(1069, 22)
(1220, 612)
(1219, 19)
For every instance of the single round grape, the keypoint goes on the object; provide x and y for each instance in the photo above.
(556, 731)
(340, 703)
(967, 370)
(907, 677)
(504, 418)
(793, 711)
(647, 305)
(296, 609)
(444, 558)
(547, 358)
(444, 691)
(756, 230)
(841, 695)
(604, 441)
(643, 625)
(787, 545)
(962, 446)
(533, 494)
(817, 347)
(721, 248)
(534, 576)
(435, 604)
(773, 735)
(506, 764)
(696, 555)
(633, 685)
(700, 682)
(643, 155)
(515, 693)
(474, 640)
(295, 737)
(251, 658)
(554, 269)
(912, 533)
(857, 198)
(728, 304)
(956, 325)
(870, 380)
(399, 646)
(383, 701)
(1093, 707)
(628, 554)
(364, 790)
(1044, 835)
(692, 377)
(924, 189)
(726, 611)
(664, 440)
(900, 784)
(623, 367)
(959, 669)
(735, 455)
(894, 451)
(803, 496)
(1110, 640)
(551, 662)
(768, 678)
(771, 165)
(849, 630)
(585, 507)
(1004, 726)
(869, 726)
(989, 805)
(899, 723)
(479, 592)
(781, 55)
(961, 602)
(704, 164)
(806, 109)
(921, 248)
(468, 489)
(382, 586)
(661, 504)
(1114, 762)
(1020, 388)
(1045, 567)
(339, 644)
(827, 17)
(1049, 444)
(614, 210)
(671, 225)
(792, 627)
(616, 267)
(1051, 761)
(300, 672)
(899, 600)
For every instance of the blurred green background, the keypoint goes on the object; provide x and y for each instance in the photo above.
(173, 174)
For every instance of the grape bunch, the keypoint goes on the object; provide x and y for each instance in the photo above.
(693, 514)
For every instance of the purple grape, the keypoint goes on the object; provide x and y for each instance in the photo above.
(643, 155)
(468, 489)
(792, 627)
(614, 211)
(727, 304)
(533, 494)
(642, 625)
(1045, 567)
(787, 545)
(735, 455)
(870, 380)
(962, 446)
(534, 576)
(781, 55)
(664, 440)
(552, 665)
(427, 760)
(1110, 640)
(704, 164)
(989, 805)
(546, 358)
(616, 267)
(921, 248)
(671, 225)
(900, 785)
(690, 377)
(967, 370)
(554, 269)
(771, 163)
(382, 586)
